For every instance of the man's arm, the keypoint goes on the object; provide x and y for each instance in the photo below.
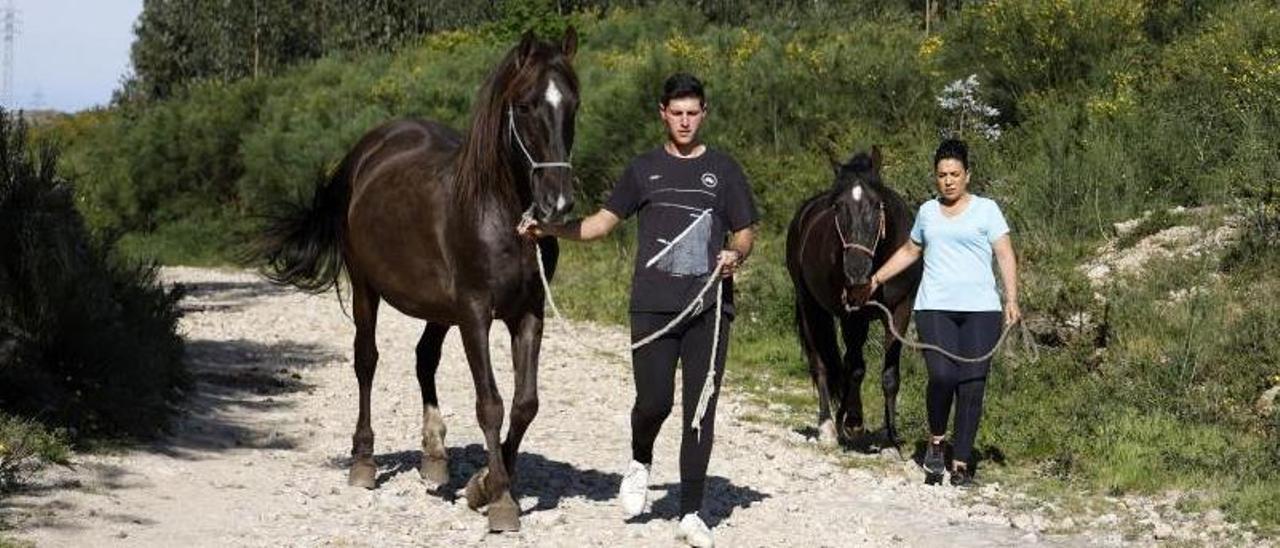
(740, 244)
(593, 227)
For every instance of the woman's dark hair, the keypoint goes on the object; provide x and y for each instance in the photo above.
(952, 149)
(681, 85)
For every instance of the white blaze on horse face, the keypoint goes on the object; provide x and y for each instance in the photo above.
(857, 193)
(560, 202)
(553, 94)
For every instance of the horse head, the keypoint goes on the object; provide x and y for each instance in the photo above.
(858, 213)
(540, 103)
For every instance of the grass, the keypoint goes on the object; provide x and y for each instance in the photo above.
(1157, 409)
(195, 241)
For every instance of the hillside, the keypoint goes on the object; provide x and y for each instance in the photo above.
(1104, 110)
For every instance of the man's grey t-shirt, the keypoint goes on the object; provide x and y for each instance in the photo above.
(686, 207)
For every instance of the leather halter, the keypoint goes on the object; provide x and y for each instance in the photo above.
(533, 165)
(847, 245)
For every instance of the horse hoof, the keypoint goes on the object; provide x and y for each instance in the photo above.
(933, 479)
(435, 471)
(476, 495)
(504, 515)
(363, 474)
(852, 434)
(827, 434)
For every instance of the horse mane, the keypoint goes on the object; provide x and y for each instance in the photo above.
(483, 167)
(858, 168)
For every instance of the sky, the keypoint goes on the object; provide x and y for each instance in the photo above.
(69, 55)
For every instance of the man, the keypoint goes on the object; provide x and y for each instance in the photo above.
(688, 198)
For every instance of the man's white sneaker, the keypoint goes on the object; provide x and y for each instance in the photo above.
(695, 532)
(635, 489)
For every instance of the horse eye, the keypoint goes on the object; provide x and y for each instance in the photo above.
(524, 108)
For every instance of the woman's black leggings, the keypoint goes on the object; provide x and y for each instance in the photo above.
(967, 334)
(655, 368)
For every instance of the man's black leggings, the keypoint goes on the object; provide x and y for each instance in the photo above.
(655, 368)
(967, 334)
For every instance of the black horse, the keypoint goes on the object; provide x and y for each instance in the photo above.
(834, 243)
(424, 218)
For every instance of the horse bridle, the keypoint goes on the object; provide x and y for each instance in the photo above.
(847, 245)
(533, 165)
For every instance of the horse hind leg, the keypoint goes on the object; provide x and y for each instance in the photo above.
(365, 301)
(435, 458)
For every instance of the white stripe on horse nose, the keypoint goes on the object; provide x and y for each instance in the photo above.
(553, 95)
(560, 202)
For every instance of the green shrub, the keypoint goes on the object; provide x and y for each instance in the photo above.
(86, 341)
(25, 446)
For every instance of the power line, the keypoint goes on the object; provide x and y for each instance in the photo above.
(10, 29)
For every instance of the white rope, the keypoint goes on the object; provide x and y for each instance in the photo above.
(695, 303)
(709, 384)
(546, 289)
(926, 346)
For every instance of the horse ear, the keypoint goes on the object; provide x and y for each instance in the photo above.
(527, 43)
(569, 45)
(875, 159)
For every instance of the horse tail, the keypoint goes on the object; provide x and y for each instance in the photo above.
(301, 243)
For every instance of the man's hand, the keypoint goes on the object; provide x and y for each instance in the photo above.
(528, 228)
(730, 260)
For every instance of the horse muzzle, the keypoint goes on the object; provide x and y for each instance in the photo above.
(554, 208)
(854, 296)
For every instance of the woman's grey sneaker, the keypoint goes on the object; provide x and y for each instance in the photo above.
(634, 492)
(694, 532)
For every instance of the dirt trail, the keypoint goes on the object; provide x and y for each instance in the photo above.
(259, 456)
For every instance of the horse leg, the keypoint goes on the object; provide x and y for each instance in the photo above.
(889, 379)
(365, 312)
(435, 460)
(854, 331)
(490, 485)
(526, 342)
(817, 336)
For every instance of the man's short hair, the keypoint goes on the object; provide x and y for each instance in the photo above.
(682, 85)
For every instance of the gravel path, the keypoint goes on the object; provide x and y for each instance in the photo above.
(259, 456)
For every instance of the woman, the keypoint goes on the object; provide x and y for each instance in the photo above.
(957, 307)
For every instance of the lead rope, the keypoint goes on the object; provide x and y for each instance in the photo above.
(1028, 343)
(708, 385)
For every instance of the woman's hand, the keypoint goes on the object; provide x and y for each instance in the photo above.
(1012, 314)
(730, 260)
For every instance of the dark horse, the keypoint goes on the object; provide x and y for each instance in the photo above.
(424, 218)
(834, 243)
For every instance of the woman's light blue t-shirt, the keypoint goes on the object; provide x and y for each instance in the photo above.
(957, 256)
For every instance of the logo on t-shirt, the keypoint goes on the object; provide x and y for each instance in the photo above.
(709, 180)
